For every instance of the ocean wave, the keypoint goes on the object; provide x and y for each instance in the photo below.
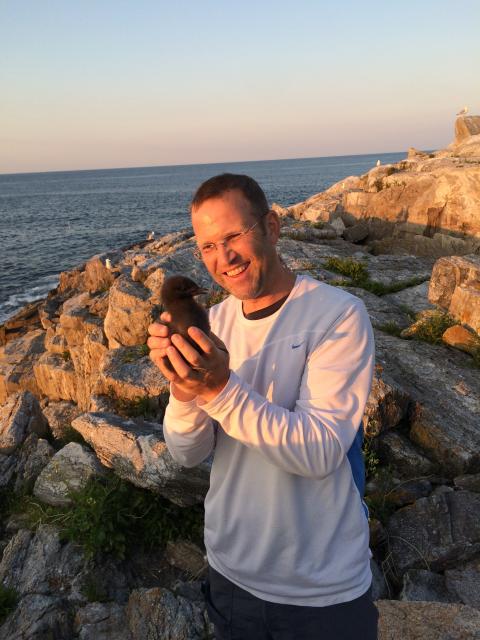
(18, 300)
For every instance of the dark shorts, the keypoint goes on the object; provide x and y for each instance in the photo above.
(238, 615)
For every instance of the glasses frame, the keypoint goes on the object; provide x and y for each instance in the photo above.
(237, 236)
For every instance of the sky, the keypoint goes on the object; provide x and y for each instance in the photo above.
(114, 83)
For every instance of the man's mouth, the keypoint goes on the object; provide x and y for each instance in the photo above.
(233, 273)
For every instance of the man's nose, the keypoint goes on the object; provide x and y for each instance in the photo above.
(225, 254)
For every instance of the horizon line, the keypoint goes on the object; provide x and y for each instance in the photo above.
(193, 164)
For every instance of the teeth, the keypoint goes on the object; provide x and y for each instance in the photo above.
(235, 272)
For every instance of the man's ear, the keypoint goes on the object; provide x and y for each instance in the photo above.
(273, 225)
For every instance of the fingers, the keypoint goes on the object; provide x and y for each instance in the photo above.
(158, 330)
(191, 355)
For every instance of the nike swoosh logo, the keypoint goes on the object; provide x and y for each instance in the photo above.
(295, 346)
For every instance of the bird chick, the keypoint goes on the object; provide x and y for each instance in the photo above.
(178, 299)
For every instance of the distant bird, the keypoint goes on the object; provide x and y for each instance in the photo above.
(151, 235)
(108, 263)
(463, 111)
(178, 299)
(378, 163)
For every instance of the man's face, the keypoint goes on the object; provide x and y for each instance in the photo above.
(246, 268)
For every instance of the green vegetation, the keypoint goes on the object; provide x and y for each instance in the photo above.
(132, 354)
(391, 328)
(358, 273)
(431, 327)
(8, 601)
(66, 356)
(140, 406)
(112, 516)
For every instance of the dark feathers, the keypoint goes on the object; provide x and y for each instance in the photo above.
(178, 299)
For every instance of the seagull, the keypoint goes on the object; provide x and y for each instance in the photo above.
(463, 111)
(177, 297)
(108, 263)
(151, 235)
(378, 163)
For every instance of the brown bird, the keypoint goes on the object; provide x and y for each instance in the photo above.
(178, 294)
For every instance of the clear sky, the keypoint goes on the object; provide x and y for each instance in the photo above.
(115, 83)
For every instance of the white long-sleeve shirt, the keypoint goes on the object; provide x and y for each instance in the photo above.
(284, 517)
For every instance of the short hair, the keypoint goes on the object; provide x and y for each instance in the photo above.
(218, 185)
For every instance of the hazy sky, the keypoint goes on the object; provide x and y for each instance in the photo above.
(112, 83)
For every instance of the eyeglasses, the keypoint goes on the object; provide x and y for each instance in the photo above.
(209, 249)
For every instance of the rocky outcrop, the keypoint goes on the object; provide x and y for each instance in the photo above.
(19, 416)
(16, 364)
(139, 454)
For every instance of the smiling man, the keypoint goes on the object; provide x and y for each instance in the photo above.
(278, 396)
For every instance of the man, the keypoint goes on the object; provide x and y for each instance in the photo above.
(278, 395)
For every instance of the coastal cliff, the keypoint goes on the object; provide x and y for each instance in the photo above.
(101, 530)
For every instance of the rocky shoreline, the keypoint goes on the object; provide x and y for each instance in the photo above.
(100, 534)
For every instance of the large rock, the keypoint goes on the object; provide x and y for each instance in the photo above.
(18, 417)
(465, 127)
(68, 471)
(56, 377)
(157, 614)
(59, 416)
(464, 583)
(445, 391)
(38, 617)
(102, 621)
(39, 563)
(403, 457)
(387, 404)
(17, 359)
(140, 455)
(414, 298)
(435, 533)
(450, 272)
(130, 374)
(427, 621)
(465, 305)
(130, 311)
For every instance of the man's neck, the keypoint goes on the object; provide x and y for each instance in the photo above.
(256, 305)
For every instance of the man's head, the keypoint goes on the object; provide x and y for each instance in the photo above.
(237, 234)
(218, 185)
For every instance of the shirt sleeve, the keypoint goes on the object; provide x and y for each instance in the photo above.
(188, 432)
(314, 438)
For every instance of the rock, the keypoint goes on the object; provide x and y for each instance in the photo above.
(427, 620)
(130, 374)
(465, 584)
(460, 338)
(129, 313)
(445, 391)
(56, 377)
(377, 532)
(339, 226)
(97, 276)
(414, 299)
(383, 314)
(399, 269)
(465, 127)
(386, 406)
(379, 584)
(409, 491)
(32, 457)
(59, 416)
(156, 614)
(185, 555)
(16, 364)
(420, 584)
(69, 470)
(55, 341)
(450, 272)
(471, 482)
(18, 417)
(140, 455)
(416, 153)
(25, 320)
(356, 233)
(405, 459)
(101, 621)
(39, 616)
(465, 305)
(38, 563)
(435, 533)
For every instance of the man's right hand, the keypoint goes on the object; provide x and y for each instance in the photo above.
(158, 343)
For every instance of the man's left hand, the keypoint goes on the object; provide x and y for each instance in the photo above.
(203, 375)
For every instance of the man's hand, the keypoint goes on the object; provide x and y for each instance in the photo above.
(194, 374)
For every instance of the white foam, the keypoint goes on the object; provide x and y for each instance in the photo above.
(18, 300)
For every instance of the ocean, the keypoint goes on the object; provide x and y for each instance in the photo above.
(50, 222)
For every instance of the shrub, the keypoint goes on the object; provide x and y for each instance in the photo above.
(8, 601)
(432, 327)
(112, 516)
